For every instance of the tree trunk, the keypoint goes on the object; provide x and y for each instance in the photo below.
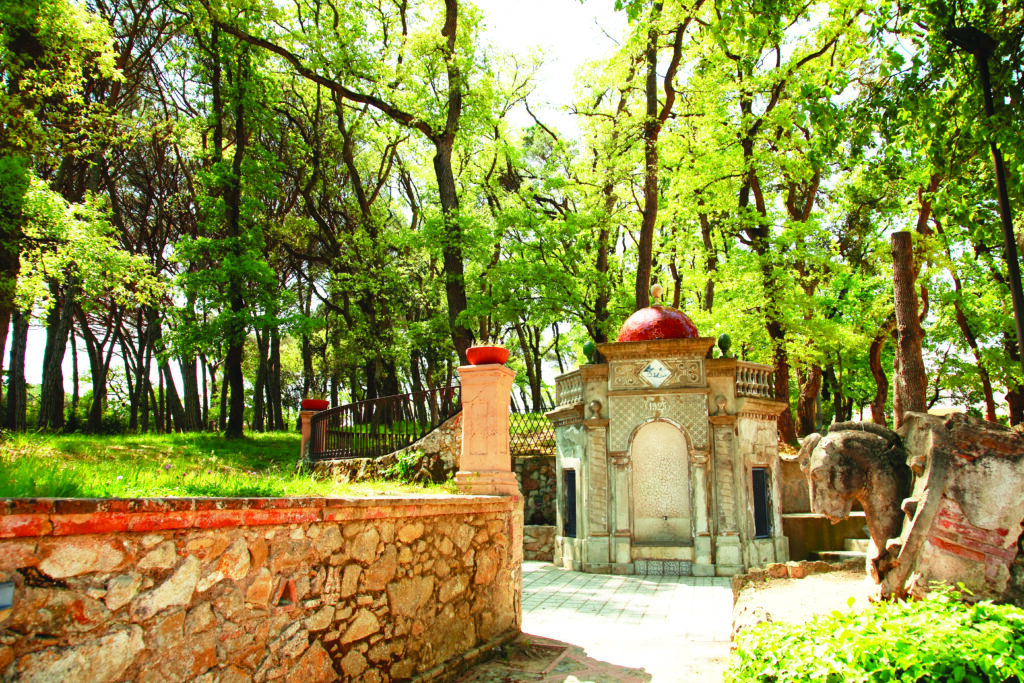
(839, 404)
(259, 388)
(190, 394)
(206, 395)
(99, 365)
(911, 381)
(652, 127)
(161, 422)
(523, 333)
(274, 382)
(175, 409)
(145, 404)
(51, 401)
(222, 422)
(986, 381)
(419, 399)
(604, 287)
(454, 271)
(878, 415)
(807, 403)
(710, 256)
(16, 387)
(75, 378)
(237, 327)
(1015, 393)
(236, 381)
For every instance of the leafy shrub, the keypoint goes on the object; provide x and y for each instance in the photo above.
(406, 465)
(935, 639)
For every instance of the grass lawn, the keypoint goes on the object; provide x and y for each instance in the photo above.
(136, 466)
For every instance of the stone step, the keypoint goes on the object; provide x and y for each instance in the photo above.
(840, 555)
(857, 545)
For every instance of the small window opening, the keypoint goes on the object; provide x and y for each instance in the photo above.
(762, 503)
(569, 513)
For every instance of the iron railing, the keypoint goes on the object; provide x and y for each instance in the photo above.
(530, 434)
(376, 427)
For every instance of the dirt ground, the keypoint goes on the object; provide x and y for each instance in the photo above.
(798, 600)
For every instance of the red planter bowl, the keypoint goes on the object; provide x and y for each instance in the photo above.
(487, 355)
(315, 404)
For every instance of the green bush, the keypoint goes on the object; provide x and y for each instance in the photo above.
(406, 465)
(935, 639)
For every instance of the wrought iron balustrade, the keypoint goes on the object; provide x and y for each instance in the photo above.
(376, 427)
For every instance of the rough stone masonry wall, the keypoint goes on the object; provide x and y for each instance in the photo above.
(536, 475)
(539, 543)
(255, 589)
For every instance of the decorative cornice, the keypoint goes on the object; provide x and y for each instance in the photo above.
(720, 367)
(722, 420)
(760, 408)
(657, 348)
(660, 392)
(590, 373)
(619, 457)
(564, 416)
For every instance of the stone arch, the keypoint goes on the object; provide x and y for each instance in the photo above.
(659, 452)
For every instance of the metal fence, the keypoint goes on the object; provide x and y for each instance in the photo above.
(374, 428)
(370, 429)
(530, 434)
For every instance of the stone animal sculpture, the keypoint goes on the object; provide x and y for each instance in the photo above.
(865, 463)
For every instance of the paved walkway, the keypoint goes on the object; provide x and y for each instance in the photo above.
(601, 628)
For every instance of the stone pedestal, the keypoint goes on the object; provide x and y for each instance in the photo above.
(304, 417)
(486, 465)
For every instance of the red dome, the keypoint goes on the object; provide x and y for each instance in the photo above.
(657, 322)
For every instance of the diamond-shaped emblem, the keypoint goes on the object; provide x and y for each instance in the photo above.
(655, 373)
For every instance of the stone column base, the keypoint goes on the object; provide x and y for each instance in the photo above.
(492, 483)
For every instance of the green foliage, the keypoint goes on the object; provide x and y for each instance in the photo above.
(938, 638)
(171, 465)
(65, 240)
(405, 465)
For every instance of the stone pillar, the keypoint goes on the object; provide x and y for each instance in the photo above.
(305, 416)
(486, 465)
(623, 536)
(703, 561)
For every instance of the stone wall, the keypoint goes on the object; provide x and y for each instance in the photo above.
(536, 476)
(964, 515)
(440, 451)
(256, 589)
(539, 543)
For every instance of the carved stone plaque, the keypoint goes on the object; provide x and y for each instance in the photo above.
(660, 373)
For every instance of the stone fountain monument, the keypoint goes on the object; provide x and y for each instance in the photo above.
(667, 460)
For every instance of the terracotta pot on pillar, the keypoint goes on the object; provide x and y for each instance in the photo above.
(315, 404)
(487, 355)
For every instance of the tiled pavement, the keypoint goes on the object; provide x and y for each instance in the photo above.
(617, 628)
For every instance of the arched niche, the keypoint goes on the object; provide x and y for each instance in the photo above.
(661, 485)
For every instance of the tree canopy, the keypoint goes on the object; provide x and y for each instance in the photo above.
(235, 204)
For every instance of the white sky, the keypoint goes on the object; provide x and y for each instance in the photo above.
(566, 32)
